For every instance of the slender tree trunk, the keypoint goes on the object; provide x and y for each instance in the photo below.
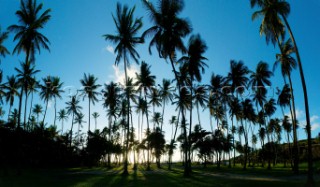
(31, 103)
(55, 111)
(71, 129)
(9, 112)
(173, 140)
(190, 128)
(45, 112)
(148, 131)
(25, 108)
(89, 114)
(234, 149)
(163, 107)
(310, 181)
(125, 168)
(198, 114)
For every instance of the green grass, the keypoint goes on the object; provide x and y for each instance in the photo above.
(85, 177)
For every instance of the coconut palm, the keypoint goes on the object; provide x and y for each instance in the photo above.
(11, 91)
(95, 115)
(25, 77)
(155, 101)
(145, 82)
(74, 109)
(126, 41)
(30, 40)
(287, 64)
(37, 109)
(273, 13)
(167, 33)
(46, 93)
(79, 119)
(200, 99)
(33, 88)
(56, 93)
(237, 77)
(89, 90)
(3, 50)
(62, 116)
(111, 97)
(165, 95)
(234, 111)
(196, 66)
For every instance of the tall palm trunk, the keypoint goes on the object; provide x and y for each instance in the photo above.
(20, 105)
(306, 103)
(55, 111)
(198, 113)
(25, 108)
(173, 140)
(71, 128)
(163, 107)
(190, 128)
(148, 131)
(45, 112)
(186, 169)
(234, 150)
(31, 103)
(109, 136)
(125, 168)
(9, 111)
(89, 115)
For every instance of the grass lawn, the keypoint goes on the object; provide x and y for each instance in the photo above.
(156, 178)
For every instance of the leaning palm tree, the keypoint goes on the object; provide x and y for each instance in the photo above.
(3, 50)
(167, 34)
(95, 115)
(274, 13)
(126, 40)
(89, 90)
(74, 109)
(62, 116)
(25, 77)
(11, 91)
(200, 99)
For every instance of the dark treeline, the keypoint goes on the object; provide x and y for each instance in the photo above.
(26, 140)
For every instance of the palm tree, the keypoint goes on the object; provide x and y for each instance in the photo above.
(126, 40)
(155, 101)
(95, 115)
(62, 116)
(56, 93)
(287, 64)
(111, 97)
(287, 126)
(74, 108)
(196, 66)
(167, 34)
(33, 88)
(274, 12)
(145, 82)
(90, 90)
(11, 88)
(234, 110)
(3, 50)
(37, 109)
(200, 99)
(46, 93)
(165, 95)
(237, 77)
(79, 119)
(30, 40)
(25, 77)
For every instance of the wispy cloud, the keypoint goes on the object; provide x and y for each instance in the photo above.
(315, 126)
(314, 118)
(110, 49)
(119, 74)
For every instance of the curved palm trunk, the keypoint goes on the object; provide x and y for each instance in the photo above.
(234, 150)
(163, 107)
(295, 138)
(310, 181)
(190, 128)
(198, 114)
(9, 112)
(172, 142)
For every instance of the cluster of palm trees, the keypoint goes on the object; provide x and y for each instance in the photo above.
(224, 96)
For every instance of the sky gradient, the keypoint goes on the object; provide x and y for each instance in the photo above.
(77, 47)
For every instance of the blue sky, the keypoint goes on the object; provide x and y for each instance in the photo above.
(77, 47)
